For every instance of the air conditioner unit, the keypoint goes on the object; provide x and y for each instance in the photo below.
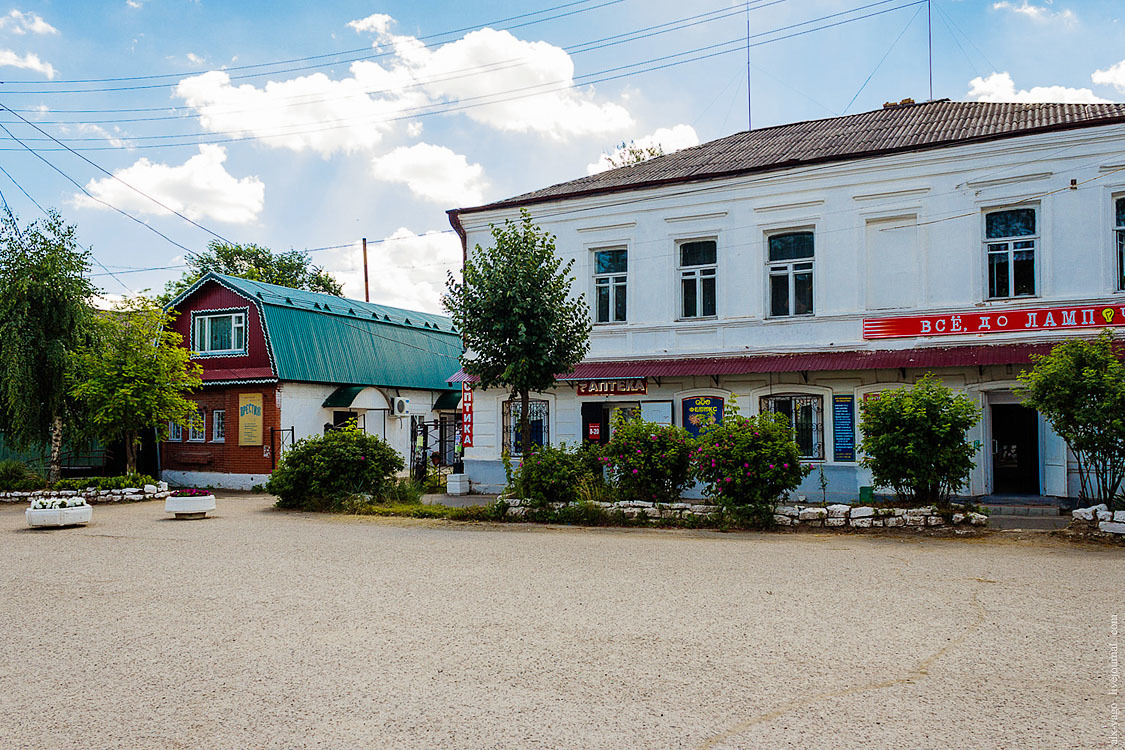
(400, 407)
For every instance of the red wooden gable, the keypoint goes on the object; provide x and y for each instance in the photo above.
(255, 364)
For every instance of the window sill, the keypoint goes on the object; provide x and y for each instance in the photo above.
(223, 353)
(197, 442)
(219, 442)
(698, 319)
(777, 318)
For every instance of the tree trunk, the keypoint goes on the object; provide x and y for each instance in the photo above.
(525, 422)
(54, 468)
(130, 452)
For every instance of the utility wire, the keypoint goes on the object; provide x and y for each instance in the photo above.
(883, 59)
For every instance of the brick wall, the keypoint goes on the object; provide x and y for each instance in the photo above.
(227, 457)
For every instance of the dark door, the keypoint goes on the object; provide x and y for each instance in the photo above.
(595, 422)
(1015, 450)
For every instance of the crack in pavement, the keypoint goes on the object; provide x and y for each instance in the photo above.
(919, 672)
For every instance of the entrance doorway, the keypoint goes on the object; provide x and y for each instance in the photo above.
(1015, 450)
(597, 418)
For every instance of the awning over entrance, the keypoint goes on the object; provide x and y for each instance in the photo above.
(872, 359)
(343, 396)
(357, 397)
(447, 400)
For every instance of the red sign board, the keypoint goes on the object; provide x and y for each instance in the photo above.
(995, 321)
(594, 431)
(466, 415)
(624, 387)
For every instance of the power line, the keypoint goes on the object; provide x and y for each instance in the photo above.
(883, 59)
(585, 80)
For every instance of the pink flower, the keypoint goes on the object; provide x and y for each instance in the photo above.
(728, 479)
(771, 466)
(363, 458)
(746, 466)
(634, 471)
(786, 466)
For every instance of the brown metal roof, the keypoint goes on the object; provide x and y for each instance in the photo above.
(877, 359)
(895, 129)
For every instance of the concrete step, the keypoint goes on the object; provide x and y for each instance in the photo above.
(1004, 521)
(1006, 509)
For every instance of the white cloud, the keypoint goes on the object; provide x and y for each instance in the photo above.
(999, 87)
(195, 59)
(98, 130)
(377, 23)
(434, 173)
(1111, 76)
(669, 139)
(1041, 13)
(19, 22)
(30, 61)
(406, 271)
(200, 188)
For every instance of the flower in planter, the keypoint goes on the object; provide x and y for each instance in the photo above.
(191, 492)
(57, 502)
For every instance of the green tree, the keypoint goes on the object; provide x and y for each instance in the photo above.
(626, 154)
(915, 442)
(292, 269)
(515, 314)
(1080, 388)
(44, 315)
(135, 375)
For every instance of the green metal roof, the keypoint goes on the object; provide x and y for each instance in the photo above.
(320, 338)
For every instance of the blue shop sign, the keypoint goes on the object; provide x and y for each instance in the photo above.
(700, 411)
(843, 428)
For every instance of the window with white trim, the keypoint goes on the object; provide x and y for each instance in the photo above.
(538, 413)
(221, 333)
(1010, 237)
(805, 413)
(698, 275)
(1119, 232)
(218, 426)
(175, 432)
(197, 428)
(791, 274)
(610, 275)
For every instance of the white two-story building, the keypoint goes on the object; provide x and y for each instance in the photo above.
(803, 268)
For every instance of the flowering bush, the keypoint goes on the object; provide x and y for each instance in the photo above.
(191, 492)
(648, 461)
(105, 483)
(748, 463)
(321, 472)
(51, 503)
(550, 475)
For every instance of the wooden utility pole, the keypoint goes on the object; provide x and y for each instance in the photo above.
(366, 285)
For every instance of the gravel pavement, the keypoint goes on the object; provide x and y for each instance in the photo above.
(258, 628)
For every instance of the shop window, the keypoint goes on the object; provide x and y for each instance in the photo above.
(610, 274)
(1010, 239)
(537, 416)
(698, 274)
(1119, 232)
(791, 274)
(175, 432)
(197, 428)
(223, 333)
(218, 426)
(806, 414)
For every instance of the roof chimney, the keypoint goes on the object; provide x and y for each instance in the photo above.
(903, 103)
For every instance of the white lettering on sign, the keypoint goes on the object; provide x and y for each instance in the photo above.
(983, 325)
(1001, 321)
(1087, 317)
(1068, 318)
(1049, 320)
(1031, 320)
(925, 326)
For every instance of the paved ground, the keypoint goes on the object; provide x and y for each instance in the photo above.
(258, 628)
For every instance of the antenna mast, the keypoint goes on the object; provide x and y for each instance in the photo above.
(929, 42)
(749, 103)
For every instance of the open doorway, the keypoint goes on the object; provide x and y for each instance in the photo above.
(1015, 450)
(597, 418)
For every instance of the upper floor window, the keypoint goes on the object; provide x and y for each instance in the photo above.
(791, 274)
(1119, 230)
(218, 425)
(698, 271)
(610, 268)
(806, 414)
(220, 333)
(1010, 237)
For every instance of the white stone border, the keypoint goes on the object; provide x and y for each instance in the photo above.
(91, 495)
(1109, 522)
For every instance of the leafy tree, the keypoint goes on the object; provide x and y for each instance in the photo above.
(135, 375)
(44, 315)
(292, 269)
(915, 441)
(630, 153)
(519, 324)
(1080, 388)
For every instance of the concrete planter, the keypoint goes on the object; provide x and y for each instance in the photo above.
(189, 507)
(79, 516)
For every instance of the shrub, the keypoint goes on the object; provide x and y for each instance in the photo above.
(121, 482)
(748, 464)
(402, 491)
(915, 441)
(648, 461)
(320, 472)
(550, 475)
(15, 476)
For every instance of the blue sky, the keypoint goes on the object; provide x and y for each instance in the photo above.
(411, 108)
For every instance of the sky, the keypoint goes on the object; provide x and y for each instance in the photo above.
(156, 126)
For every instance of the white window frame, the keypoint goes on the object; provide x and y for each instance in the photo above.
(199, 338)
(617, 281)
(219, 426)
(1118, 243)
(175, 433)
(1010, 252)
(696, 273)
(790, 269)
(820, 431)
(198, 435)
